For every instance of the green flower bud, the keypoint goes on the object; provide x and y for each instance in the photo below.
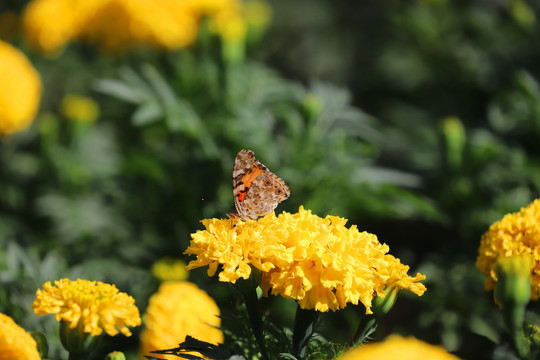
(381, 305)
(312, 106)
(116, 355)
(514, 281)
(42, 343)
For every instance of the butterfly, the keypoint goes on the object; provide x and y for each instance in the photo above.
(256, 190)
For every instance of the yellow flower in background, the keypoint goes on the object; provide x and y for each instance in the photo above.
(120, 25)
(317, 261)
(176, 310)
(20, 90)
(169, 269)
(15, 342)
(398, 348)
(79, 108)
(517, 234)
(93, 306)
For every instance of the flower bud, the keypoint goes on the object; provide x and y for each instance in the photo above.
(41, 342)
(383, 304)
(514, 284)
(116, 355)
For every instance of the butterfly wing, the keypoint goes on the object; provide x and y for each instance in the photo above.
(256, 190)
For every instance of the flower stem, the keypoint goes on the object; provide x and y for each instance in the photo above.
(248, 289)
(304, 324)
(251, 302)
(366, 327)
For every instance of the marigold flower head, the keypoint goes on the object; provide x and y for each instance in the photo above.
(176, 310)
(15, 342)
(318, 262)
(20, 90)
(398, 348)
(95, 306)
(517, 234)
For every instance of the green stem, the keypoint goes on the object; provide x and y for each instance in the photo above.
(304, 325)
(252, 306)
(366, 327)
(248, 289)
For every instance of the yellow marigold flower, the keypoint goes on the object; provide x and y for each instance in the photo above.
(15, 342)
(124, 24)
(168, 269)
(398, 348)
(317, 261)
(49, 25)
(79, 108)
(119, 25)
(176, 310)
(94, 306)
(20, 90)
(516, 234)
(114, 25)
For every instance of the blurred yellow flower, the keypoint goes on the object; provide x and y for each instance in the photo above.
(93, 306)
(15, 342)
(168, 269)
(398, 348)
(317, 261)
(516, 234)
(176, 310)
(20, 90)
(120, 25)
(79, 108)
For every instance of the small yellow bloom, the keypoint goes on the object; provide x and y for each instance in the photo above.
(15, 342)
(318, 262)
(93, 306)
(79, 108)
(20, 90)
(398, 348)
(176, 310)
(517, 234)
(168, 269)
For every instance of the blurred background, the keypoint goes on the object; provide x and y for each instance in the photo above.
(418, 121)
